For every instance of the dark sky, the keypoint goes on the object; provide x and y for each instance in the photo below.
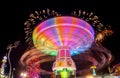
(15, 14)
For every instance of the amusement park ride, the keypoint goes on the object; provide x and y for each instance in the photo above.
(58, 38)
(63, 37)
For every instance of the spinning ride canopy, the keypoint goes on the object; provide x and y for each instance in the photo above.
(63, 32)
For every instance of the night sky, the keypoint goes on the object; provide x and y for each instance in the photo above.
(12, 28)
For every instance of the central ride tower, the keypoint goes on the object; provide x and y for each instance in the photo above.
(64, 66)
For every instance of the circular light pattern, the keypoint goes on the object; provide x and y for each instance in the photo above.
(63, 32)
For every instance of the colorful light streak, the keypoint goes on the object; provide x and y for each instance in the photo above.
(64, 31)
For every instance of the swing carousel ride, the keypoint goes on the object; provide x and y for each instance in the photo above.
(64, 45)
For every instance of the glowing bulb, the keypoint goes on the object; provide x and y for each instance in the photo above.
(23, 74)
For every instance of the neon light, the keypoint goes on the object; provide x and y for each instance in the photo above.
(64, 74)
